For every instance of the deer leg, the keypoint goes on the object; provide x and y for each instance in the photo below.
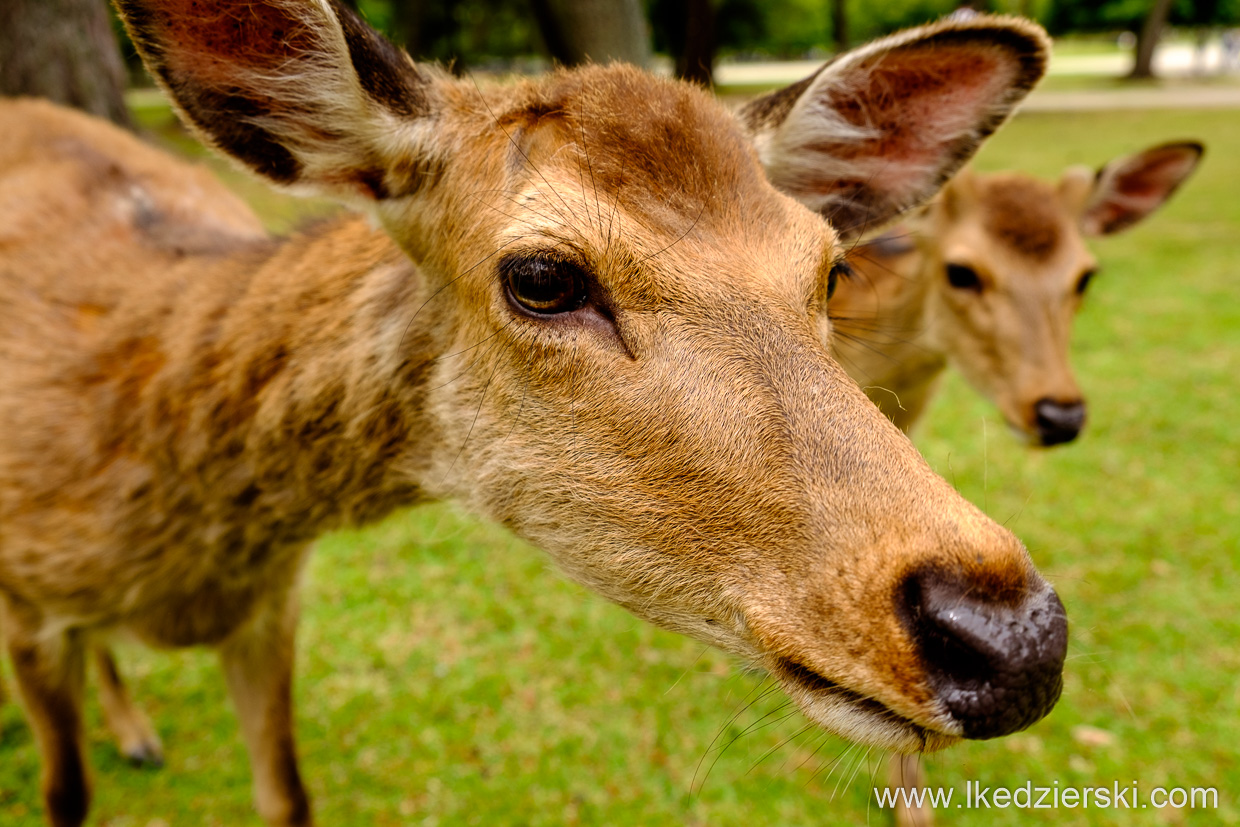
(258, 663)
(50, 674)
(907, 773)
(135, 736)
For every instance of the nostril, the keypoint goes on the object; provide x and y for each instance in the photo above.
(1058, 421)
(996, 665)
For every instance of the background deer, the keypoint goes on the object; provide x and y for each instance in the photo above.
(988, 279)
(576, 305)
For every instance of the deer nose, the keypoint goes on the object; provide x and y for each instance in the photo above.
(1059, 422)
(996, 666)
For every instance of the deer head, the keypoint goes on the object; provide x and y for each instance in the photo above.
(611, 337)
(989, 278)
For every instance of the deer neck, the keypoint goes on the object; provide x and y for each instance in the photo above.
(885, 334)
(291, 391)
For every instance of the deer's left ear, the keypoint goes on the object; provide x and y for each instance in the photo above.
(301, 92)
(880, 128)
(1128, 189)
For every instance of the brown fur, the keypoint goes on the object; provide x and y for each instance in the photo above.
(901, 323)
(1023, 215)
(179, 421)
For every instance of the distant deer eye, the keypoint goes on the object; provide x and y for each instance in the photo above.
(840, 270)
(543, 285)
(1082, 284)
(963, 278)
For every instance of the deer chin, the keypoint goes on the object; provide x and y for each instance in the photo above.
(858, 718)
(1023, 434)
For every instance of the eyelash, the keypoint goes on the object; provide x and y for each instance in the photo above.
(840, 270)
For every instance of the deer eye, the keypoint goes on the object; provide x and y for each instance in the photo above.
(840, 270)
(1082, 283)
(963, 278)
(543, 285)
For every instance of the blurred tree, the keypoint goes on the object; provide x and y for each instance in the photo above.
(462, 34)
(1148, 19)
(64, 50)
(839, 24)
(696, 61)
(576, 31)
(686, 31)
(429, 31)
(1131, 15)
(1148, 37)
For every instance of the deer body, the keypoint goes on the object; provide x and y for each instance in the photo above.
(988, 278)
(577, 305)
(188, 360)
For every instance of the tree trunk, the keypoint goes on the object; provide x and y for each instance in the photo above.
(578, 31)
(839, 25)
(64, 50)
(1147, 39)
(696, 61)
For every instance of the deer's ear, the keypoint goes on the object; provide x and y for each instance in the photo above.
(1128, 189)
(879, 129)
(302, 92)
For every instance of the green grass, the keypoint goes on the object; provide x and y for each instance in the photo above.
(448, 676)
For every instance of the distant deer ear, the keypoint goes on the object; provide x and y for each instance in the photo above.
(302, 92)
(880, 128)
(1128, 189)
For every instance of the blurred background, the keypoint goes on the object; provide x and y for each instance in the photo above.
(75, 52)
(446, 676)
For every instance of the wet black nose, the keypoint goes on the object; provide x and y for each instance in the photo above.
(1059, 422)
(997, 666)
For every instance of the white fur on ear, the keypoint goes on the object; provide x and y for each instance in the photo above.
(303, 93)
(880, 128)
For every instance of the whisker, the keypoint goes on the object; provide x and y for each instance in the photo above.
(759, 691)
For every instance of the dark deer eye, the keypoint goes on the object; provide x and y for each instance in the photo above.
(543, 285)
(840, 270)
(1082, 283)
(963, 278)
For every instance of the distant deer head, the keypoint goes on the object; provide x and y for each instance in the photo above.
(587, 315)
(988, 279)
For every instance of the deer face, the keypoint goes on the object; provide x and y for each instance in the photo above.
(626, 326)
(1008, 275)
(1007, 266)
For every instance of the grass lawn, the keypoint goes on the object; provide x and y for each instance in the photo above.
(447, 676)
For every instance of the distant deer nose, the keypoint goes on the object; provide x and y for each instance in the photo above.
(997, 667)
(1059, 422)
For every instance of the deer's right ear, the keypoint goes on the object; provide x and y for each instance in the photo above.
(880, 128)
(302, 92)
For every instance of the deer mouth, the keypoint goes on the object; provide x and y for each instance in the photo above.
(855, 716)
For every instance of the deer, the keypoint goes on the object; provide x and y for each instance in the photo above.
(988, 279)
(574, 304)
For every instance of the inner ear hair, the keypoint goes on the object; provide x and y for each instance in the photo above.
(303, 93)
(878, 130)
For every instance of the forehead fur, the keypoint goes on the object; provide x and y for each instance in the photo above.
(660, 148)
(1023, 213)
